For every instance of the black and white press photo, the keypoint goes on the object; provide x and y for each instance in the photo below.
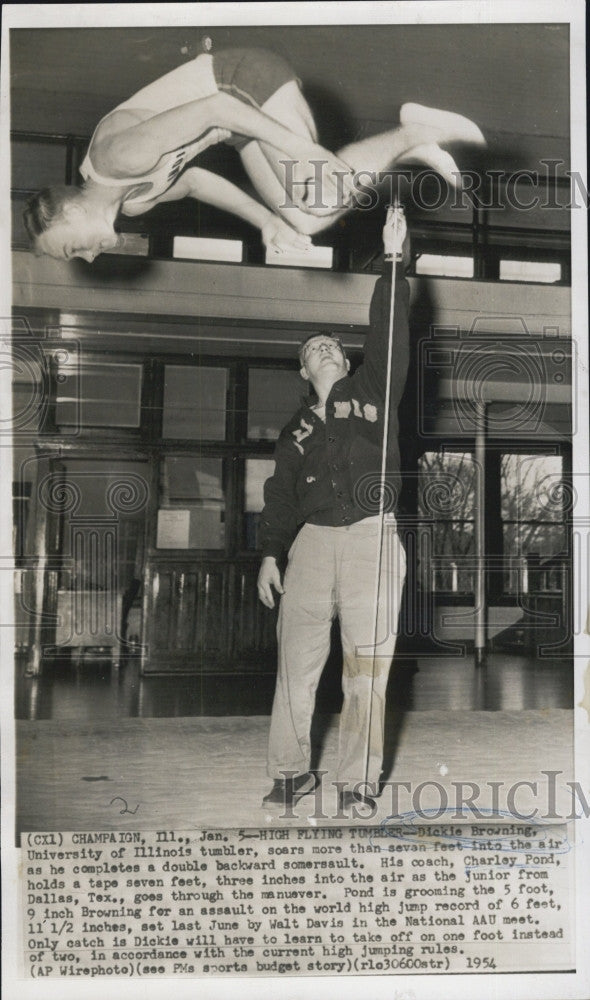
(295, 549)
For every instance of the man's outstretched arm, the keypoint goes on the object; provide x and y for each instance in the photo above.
(372, 373)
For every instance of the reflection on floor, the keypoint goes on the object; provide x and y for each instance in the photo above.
(96, 691)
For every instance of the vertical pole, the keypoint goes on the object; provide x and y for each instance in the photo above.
(395, 213)
(34, 663)
(480, 535)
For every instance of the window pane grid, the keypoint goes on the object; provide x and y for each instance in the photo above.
(95, 394)
(195, 402)
(274, 395)
(191, 507)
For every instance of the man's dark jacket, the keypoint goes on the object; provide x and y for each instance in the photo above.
(329, 473)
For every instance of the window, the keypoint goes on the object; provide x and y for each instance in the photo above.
(446, 495)
(444, 266)
(273, 397)
(191, 512)
(530, 270)
(533, 522)
(101, 538)
(526, 523)
(206, 248)
(195, 402)
(37, 165)
(97, 394)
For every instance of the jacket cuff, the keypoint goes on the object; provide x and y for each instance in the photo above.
(273, 548)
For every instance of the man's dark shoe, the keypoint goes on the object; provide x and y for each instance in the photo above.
(348, 800)
(288, 791)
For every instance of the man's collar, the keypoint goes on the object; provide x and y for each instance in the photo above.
(312, 397)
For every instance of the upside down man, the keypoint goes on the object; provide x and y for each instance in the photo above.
(142, 154)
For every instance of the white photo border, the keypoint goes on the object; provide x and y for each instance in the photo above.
(523, 986)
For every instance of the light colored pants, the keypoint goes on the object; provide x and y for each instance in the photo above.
(333, 572)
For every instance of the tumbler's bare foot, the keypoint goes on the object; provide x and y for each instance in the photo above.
(452, 127)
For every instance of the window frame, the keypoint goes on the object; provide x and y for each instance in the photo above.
(497, 569)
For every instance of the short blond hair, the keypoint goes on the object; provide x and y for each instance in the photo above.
(47, 207)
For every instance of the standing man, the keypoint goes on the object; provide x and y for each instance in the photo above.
(344, 561)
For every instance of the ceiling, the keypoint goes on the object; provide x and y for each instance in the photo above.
(512, 79)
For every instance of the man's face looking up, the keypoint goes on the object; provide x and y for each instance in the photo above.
(323, 354)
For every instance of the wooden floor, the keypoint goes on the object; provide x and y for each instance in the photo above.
(190, 773)
(95, 690)
(100, 749)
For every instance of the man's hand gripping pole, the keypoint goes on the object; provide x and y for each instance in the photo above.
(394, 232)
